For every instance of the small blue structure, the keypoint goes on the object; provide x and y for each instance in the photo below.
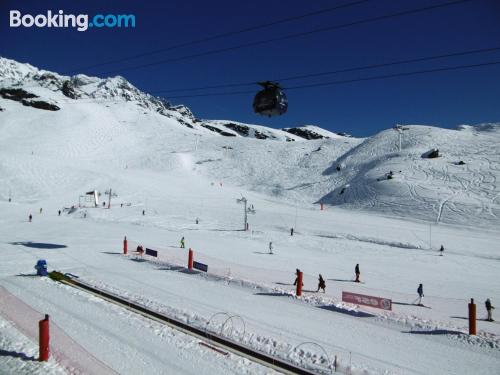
(41, 267)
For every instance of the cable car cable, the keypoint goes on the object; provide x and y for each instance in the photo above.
(287, 37)
(338, 82)
(223, 35)
(345, 70)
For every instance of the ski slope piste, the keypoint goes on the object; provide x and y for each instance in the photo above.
(166, 174)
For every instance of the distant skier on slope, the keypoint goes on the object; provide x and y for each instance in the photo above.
(270, 247)
(30, 217)
(59, 213)
(356, 271)
(291, 231)
(321, 284)
(420, 292)
(183, 245)
(297, 271)
(441, 250)
(489, 309)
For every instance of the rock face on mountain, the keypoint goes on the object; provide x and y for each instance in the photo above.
(26, 98)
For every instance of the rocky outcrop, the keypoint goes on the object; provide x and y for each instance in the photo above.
(69, 91)
(217, 130)
(244, 130)
(41, 105)
(305, 133)
(25, 97)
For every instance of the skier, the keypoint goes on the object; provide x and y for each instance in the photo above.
(489, 309)
(270, 247)
(30, 218)
(140, 249)
(291, 231)
(197, 221)
(297, 271)
(59, 213)
(143, 212)
(182, 243)
(356, 271)
(441, 250)
(420, 292)
(40, 209)
(321, 284)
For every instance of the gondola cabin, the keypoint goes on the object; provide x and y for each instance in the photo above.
(271, 101)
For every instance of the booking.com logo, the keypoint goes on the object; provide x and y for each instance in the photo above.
(80, 21)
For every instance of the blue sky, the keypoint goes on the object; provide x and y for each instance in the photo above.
(443, 99)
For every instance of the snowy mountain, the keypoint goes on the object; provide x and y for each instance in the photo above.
(86, 119)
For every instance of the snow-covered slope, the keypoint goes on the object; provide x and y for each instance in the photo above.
(97, 118)
(459, 186)
(64, 136)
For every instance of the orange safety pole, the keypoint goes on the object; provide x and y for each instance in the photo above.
(190, 260)
(472, 317)
(125, 245)
(299, 284)
(44, 339)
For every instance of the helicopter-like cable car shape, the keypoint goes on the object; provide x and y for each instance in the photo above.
(271, 101)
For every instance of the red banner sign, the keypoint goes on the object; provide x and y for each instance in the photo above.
(361, 299)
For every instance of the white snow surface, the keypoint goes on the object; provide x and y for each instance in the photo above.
(117, 137)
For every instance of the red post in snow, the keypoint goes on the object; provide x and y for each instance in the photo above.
(125, 245)
(44, 339)
(190, 260)
(472, 317)
(299, 284)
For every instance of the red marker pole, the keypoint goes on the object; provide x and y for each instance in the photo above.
(299, 284)
(190, 260)
(125, 245)
(44, 339)
(472, 317)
